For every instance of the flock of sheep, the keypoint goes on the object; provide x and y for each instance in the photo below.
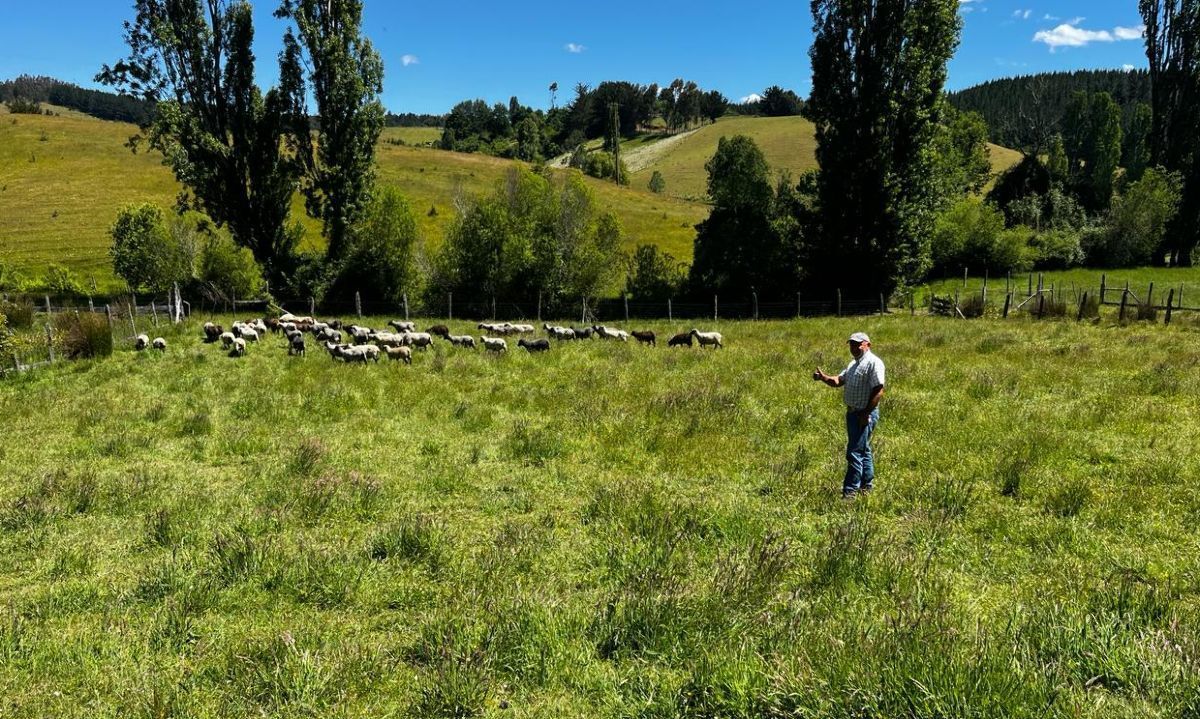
(355, 343)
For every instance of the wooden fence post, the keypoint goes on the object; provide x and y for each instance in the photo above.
(583, 317)
(985, 281)
(153, 312)
(1082, 304)
(1103, 288)
(131, 320)
(405, 298)
(882, 305)
(714, 308)
(798, 312)
(1150, 296)
(358, 304)
(450, 306)
(1029, 290)
(1041, 305)
(539, 308)
(964, 277)
(957, 311)
(1124, 298)
(670, 318)
(625, 298)
(50, 341)
(1170, 301)
(494, 307)
(754, 297)
(912, 303)
(1007, 302)
(839, 302)
(91, 305)
(312, 306)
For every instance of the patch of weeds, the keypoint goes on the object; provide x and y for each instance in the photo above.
(174, 625)
(161, 529)
(647, 514)
(417, 539)
(1069, 498)
(533, 445)
(454, 688)
(197, 424)
(156, 413)
(950, 497)
(279, 674)
(321, 579)
(845, 555)
(747, 577)
(70, 562)
(237, 554)
(28, 511)
(306, 458)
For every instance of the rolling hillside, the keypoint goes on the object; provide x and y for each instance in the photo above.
(63, 179)
(787, 142)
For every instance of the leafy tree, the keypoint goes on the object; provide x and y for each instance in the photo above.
(346, 77)
(658, 185)
(148, 252)
(1102, 151)
(738, 247)
(1137, 222)
(654, 275)
(529, 140)
(971, 233)
(778, 102)
(381, 260)
(879, 67)
(1135, 155)
(228, 268)
(713, 105)
(59, 280)
(220, 135)
(964, 163)
(1056, 160)
(1029, 177)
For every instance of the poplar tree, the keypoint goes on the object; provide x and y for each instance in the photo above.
(346, 78)
(221, 137)
(879, 67)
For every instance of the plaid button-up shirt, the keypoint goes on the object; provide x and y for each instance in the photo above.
(859, 378)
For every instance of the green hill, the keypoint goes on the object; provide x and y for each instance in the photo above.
(63, 178)
(787, 142)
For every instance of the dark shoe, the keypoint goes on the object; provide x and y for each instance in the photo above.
(866, 490)
(848, 493)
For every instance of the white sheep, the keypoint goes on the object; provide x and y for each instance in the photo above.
(708, 338)
(160, 344)
(239, 347)
(610, 333)
(417, 339)
(141, 342)
(400, 353)
(462, 340)
(494, 344)
(227, 339)
(249, 334)
(403, 326)
(388, 339)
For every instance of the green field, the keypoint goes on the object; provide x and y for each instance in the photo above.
(63, 179)
(609, 530)
(411, 135)
(787, 143)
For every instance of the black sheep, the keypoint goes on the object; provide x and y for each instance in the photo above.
(439, 331)
(538, 345)
(683, 338)
(582, 333)
(644, 336)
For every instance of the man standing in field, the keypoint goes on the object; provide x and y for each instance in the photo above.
(863, 383)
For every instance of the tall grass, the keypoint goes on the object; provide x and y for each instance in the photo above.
(608, 530)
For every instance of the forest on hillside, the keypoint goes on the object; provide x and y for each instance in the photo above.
(1025, 112)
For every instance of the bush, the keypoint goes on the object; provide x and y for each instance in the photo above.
(657, 184)
(11, 279)
(382, 258)
(1056, 249)
(970, 233)
(1136, 223)
(61, 281)
(83, 335)
(20, 106)
(20, 314)
(654, 275)
(5, 340)
(148, 252)
(228, 268)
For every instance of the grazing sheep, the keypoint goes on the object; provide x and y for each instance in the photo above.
(582, 333)
(318, 327)
(403, 326)
(361, 335)
(439, 331)
(330, 335)
(538, 345)
(707, 338)
(335, 324)
(681, 339)
(490, 326)
(559, 333)
(523, 329)
(494, 344)
(417, 339)
(141, 342)
(239, 347)
(288, 326)
(212, 332)
(274, 325)
(400, 353)
(249, 334)
(461, 340)
(387, 339)
(160, 344)
(296, 344)
(227, 339)
(259, 326)
(609, 333)
(644, 337)
(371, 351)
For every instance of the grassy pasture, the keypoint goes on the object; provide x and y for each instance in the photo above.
(609, 530)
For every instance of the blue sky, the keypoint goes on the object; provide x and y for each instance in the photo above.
(436, 55)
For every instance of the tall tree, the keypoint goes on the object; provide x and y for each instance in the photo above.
(217, 132)
(1173, 50)
(1135, 155)
(346, 75)
(879, 67)
(1104, 151)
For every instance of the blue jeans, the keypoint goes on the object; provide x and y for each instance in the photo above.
(860, 464)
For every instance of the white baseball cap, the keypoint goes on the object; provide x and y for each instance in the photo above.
(859, 337)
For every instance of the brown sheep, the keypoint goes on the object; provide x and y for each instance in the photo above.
(644, 337)
(681, 339)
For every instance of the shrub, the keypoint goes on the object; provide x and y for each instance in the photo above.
(83, 335)
(382, 258)
(230, 269)
(653, 274)
(1136, 223)
(657, 184)
(1056, 249)
(11, 279)
(20, 313)
(970, 233)
(148, 252)
(5, 341)
(61, 281)
(21, 106)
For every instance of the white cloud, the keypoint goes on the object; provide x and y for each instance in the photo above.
(574, 47)
(1022, 14)
(1129, 33)
(751, 98)
(1128, 68)
(1069, 35)
(407, 60)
